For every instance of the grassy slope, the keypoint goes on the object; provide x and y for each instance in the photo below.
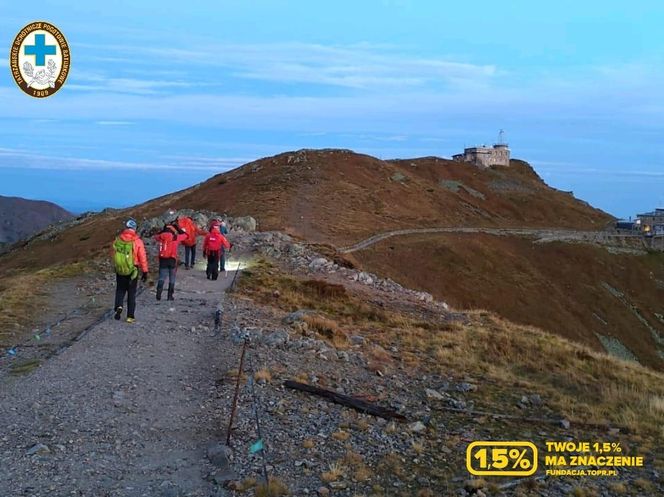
(338, 197)
(557, 287)
(581, 384)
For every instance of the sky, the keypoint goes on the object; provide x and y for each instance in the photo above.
(162, 95)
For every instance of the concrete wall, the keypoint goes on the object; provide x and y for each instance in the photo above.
(485, 156)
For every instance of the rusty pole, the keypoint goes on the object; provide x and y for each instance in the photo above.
(237, 392)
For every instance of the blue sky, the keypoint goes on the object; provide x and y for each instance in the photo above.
(162, 95)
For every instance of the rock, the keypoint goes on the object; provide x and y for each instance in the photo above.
(219, 455)
(220, 477)
(565, 424)
(296, 316)
(479, 493)
(433, 395)
(398, 177)
(365, 279)
(536, 400)
(357, 340)
(324, 492)
(466, 387)
(276, 338)
(338, 485)
(425, 297)
(38, 449)
(318, 264)
(417, 427)
(168, 489)
(295, 250)
(246, 223)
(457, 404)
(343, 356)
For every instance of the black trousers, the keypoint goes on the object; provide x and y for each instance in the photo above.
(212, 270)
(125, 285)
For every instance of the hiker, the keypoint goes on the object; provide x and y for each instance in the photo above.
(223, 228)
(129, 259)
(193, 231)
(213, 248)
(169, 239)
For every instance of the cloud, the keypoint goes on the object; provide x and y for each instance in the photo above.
(114, 123)
(99, 83)
(359, 66)
(24, 159)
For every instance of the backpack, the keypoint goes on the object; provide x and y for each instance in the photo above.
(124, 257)
(168, 243)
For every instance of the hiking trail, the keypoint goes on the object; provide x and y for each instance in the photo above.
(127, 410)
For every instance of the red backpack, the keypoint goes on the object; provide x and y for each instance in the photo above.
(168, 245)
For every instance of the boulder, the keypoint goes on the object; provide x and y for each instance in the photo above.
(246, 223)
(276, 338)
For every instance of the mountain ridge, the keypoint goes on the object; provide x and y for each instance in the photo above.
(22, 217)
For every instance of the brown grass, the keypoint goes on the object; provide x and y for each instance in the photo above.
(274, 488)
(23, 295)
(336, 471)
(263, 375)
(618, 488)
(643, 484)
(308, 443)
(327, 328)
(577, 382)
(341, 435)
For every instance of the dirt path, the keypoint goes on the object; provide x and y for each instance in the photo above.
(542, 235)
(128, 410)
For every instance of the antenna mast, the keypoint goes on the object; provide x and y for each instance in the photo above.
(501, 137)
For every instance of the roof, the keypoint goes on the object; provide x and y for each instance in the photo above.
(656, 212)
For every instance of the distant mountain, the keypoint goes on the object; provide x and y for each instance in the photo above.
(20, 217)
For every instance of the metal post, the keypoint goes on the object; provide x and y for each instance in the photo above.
(237, 392)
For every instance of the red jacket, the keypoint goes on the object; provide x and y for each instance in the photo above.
(187, 224)
(214, 241)
(140, 259)
(168, 244)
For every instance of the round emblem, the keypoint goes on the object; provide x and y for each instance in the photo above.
(39, 59)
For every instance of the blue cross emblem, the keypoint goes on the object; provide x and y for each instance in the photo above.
(40, 50)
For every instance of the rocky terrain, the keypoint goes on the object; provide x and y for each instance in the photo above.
(22, 218)
(144, 409)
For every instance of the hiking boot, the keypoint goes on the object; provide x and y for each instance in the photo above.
(160, 288)
(171, 291)
(130, 320)
(118, 313)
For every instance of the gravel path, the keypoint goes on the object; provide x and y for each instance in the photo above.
(128, 410)
(542, 234)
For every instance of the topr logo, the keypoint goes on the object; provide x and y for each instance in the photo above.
(39, 59)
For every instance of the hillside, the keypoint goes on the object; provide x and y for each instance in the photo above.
(22, 217)
(335, 198)
(443, 379)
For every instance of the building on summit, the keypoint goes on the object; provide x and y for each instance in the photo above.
(651, 222)
(484, 156)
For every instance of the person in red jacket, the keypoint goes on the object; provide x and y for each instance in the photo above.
(213, 247)
(168, 239)
(128, 254)
(193, 231)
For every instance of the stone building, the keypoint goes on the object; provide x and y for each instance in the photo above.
(651, 222)
(498, 155)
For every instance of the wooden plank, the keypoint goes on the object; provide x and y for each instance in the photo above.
(346, 400)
